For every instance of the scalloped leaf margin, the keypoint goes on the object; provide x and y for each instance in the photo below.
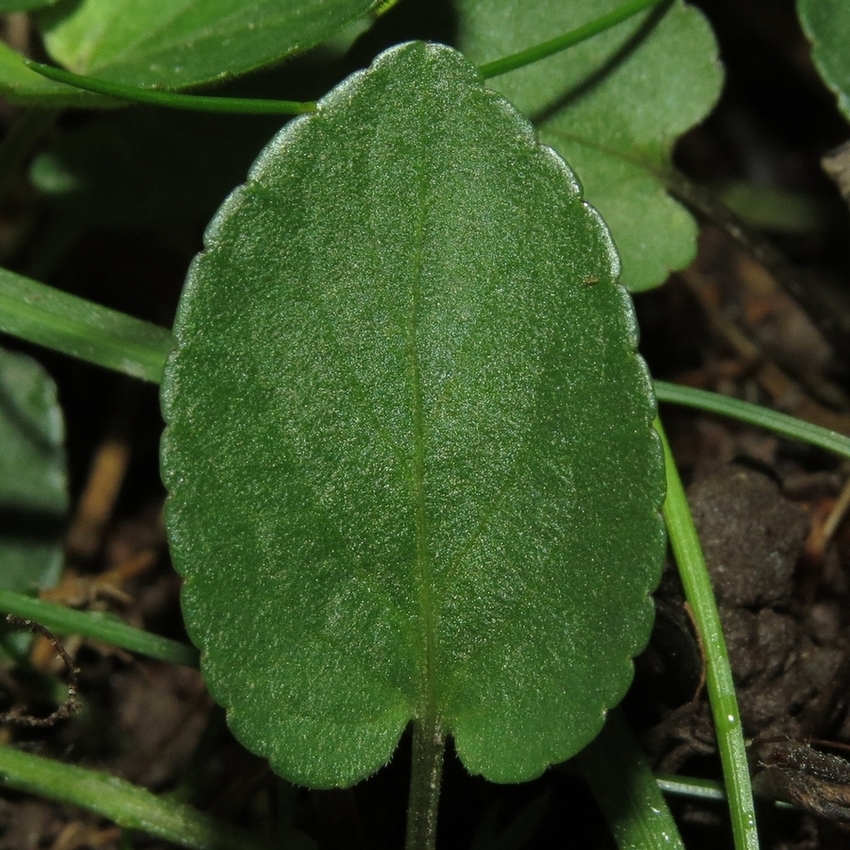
(409, 449)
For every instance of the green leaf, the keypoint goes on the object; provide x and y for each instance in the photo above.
(19, 84)
(613, 106)
(33, 479)
(827, 26)
(178, 43)
(409, 451)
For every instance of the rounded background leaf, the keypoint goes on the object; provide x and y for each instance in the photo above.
(827, 25)
(613, 107)
(33, 476)
(409, 443)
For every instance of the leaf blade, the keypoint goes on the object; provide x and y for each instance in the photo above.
(827, 26)
(33, 476)
(179, 43)
(408, 354)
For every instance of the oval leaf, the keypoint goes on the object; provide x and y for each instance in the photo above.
(613, 106)
(178, 43)
(409, 450)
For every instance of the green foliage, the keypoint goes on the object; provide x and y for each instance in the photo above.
(827, 25)
(33, 481)
(20, 84)
(403, 412)
(179, 43)
(612, 107)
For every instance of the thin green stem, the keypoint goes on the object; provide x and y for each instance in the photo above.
(63, 322)
(173, 100)
(562, 42)
(763, 417)
(721, 687)
(621, 780)
(92, 624)
(127, 805)
(426, 773)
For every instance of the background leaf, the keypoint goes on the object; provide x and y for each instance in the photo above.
(19, 84)
(408, 444)
(33, 480)
(827, 25)
(613, 106)
(179, 43)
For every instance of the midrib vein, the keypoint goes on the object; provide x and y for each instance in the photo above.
(427, 697)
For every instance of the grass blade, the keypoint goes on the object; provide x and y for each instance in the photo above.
(128, 805)
(721, 688)
(92, 624)
(753, 414)
(626, 791)
(62, 322)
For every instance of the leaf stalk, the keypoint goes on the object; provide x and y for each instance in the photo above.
(173, 100)
(426, 775)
